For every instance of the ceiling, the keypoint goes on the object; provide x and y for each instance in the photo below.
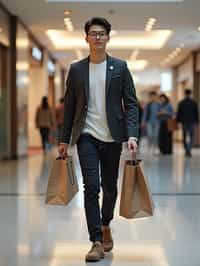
(181, 17)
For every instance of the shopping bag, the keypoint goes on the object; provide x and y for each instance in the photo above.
(172, 124)
(136, 200)
(62, 183)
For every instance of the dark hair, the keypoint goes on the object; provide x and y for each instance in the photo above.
(152, 93)
(165, 97)
(44, 103)
(97, 21)
(188, 92)
(61, 100)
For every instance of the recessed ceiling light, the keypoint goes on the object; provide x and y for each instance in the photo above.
(22, 43)
(199, 28)
(152, 20)
(172, 55)
(137, 65)
(113, 32)
(150, 23)
(66, 20)
(79, 54)
(148, 28)
(134, 54)
(68, 24)
(67, 12)
(126, 40)
(129, 1)
(22, 66)
(178, 49)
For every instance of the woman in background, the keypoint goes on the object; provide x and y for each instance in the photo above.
(44, 121)
(165, 112)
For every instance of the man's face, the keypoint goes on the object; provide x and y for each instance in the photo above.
(97, 37)
(152, 97)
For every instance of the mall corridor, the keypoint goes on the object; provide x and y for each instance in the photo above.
(108, 72)
(35, 234)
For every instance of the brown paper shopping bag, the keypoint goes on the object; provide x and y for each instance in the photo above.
(62, 184)
(172, 124)
(136, 200)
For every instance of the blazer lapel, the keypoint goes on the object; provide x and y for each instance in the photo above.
(109, 71)
(86, 78)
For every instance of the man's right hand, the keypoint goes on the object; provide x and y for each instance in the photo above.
(62, 150)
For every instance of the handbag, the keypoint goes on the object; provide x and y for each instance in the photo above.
(172, 124)
(62, 184)
(136, 199)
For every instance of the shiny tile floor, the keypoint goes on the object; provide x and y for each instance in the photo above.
(34, 234)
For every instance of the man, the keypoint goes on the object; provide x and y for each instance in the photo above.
(59, 113)
(101, 112)
(188, 116)
(150, 120)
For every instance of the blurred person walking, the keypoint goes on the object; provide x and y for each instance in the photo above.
(140, 111)
(96, 120)
(44, 122)
(150, 121)
(165, 112)
(188, 116)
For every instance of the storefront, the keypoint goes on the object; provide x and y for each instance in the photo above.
(4, 84)
(184, 78)
(197, 94)
(22, 81)
(187, 76)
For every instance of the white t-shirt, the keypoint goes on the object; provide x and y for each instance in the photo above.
(96, 120)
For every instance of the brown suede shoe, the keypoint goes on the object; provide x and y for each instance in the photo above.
(96, 252)
(107, 239)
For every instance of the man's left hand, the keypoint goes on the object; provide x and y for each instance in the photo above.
(132, 145)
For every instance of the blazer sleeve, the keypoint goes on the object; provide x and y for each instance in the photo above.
(69, 108)
(196, 113)
(130, 104)
(179, 113)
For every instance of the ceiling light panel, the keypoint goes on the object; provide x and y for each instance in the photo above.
(124, 40)
(128, 1)
(134, 55)
(137, 65)
(150, 24)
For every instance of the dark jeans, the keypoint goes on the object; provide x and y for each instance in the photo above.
(44, 133)
(59, 133)
(165, 138)
(92, 154)
(188, 131)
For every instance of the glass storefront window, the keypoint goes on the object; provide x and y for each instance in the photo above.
(4, 28)
(4, 86)
(3, 101)
(22, 67)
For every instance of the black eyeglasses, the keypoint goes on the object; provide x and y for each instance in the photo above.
(100, 34)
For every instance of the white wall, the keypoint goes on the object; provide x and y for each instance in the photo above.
(58, 84)
(37, 89)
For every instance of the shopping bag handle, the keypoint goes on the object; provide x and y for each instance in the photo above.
(134, 160)
(60, 158)
(70, 171)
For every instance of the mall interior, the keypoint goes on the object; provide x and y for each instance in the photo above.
(160, 41)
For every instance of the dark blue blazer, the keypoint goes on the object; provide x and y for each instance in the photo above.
(121, 101)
